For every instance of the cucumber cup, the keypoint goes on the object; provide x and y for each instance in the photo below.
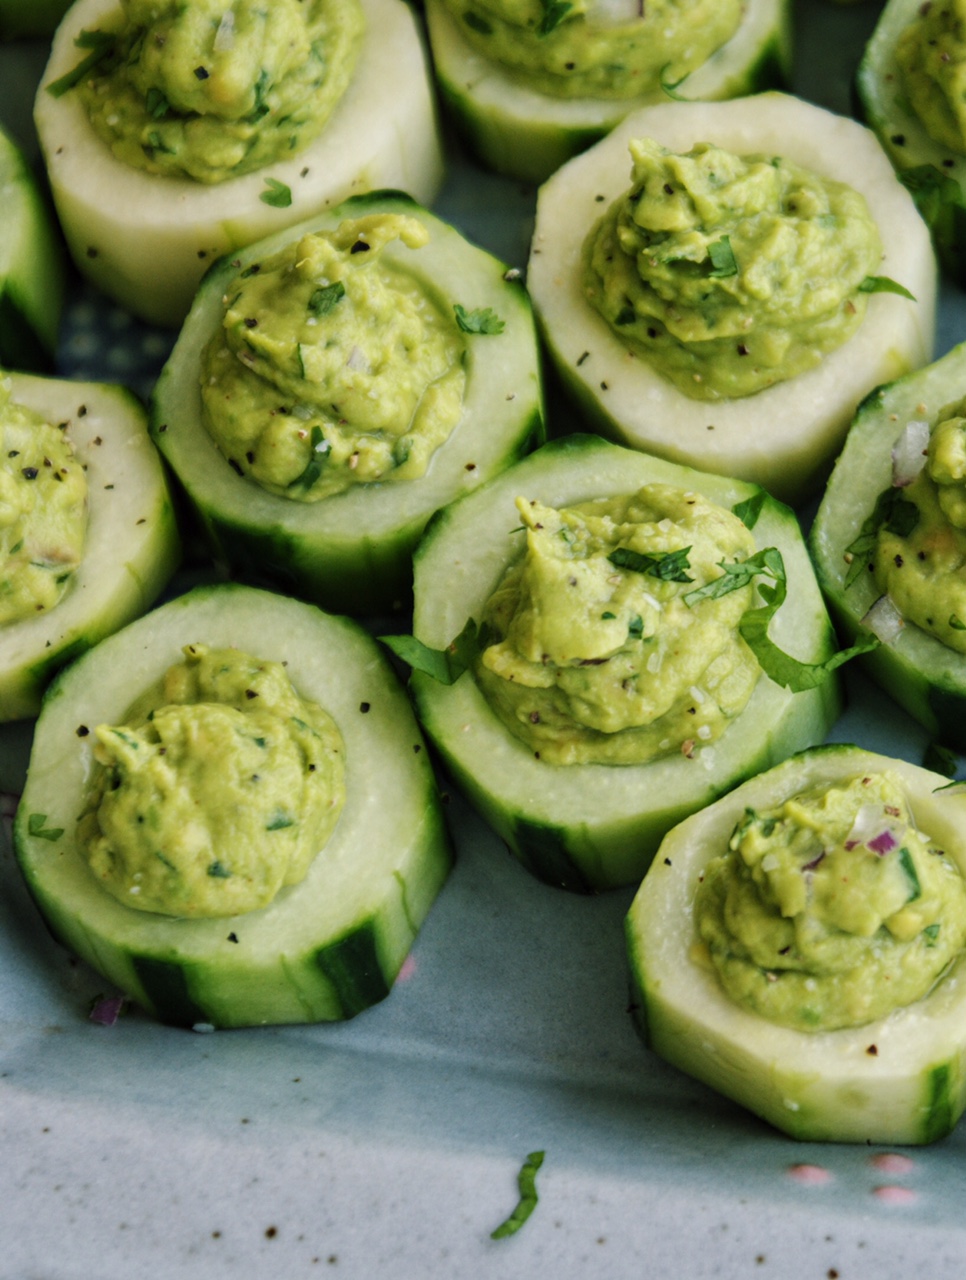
(323, 949)
(899, 1079)
(934, 174)
(132, 545)
(31, 267)
(921, 673)
(588, 827)
(784, 437)
(352, 551)
(147, 240)
(518, 131)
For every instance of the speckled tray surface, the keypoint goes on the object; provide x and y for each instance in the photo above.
(391, 1144)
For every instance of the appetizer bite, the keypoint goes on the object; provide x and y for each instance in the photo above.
(230, 815)
(731, 303)
(799, 946)
(889, 541)
(910, 88)
(336, 385)
(87, 529)
(531, 83)
(31, 267)
(593, 656)
(176, 133)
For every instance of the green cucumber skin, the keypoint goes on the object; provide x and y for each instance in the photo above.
(531, 150)
(25, 19)
(923, 676)
(838, 1092)
(594, 848)
(915, 156)
(223, 973)
(359, 563)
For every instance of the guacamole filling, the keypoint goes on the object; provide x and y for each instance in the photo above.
(220, 788)
(598, 48)
(43, 511)
(919, 554)
(931, 53)
(217, 88)
(730, 273)
(592, 654)
(832, 909)
(333, 368)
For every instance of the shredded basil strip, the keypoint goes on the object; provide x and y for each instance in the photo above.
(36, 827)
(738, 575)
(527, 1184)
(445, 665)
(722, 258)
(940, 760)
(101, 45)
(776, 664)
(324, 299)
(885, 284)
(670, 86)
(277, 194)
(892, 512)
(749, 510)
(313, 468)
(668, 566)
(554, 12)
(484, 320)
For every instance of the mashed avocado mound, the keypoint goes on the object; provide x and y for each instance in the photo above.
(594, 655)
(919, 554)
(931, 54)
(219, 790)
(43, 511)
(598, 48)
(217, 88)
(832, 909)
(333, 368)
(730, 273)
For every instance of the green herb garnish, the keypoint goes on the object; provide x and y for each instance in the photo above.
(723, 260)
(554, 12)
(527, 1185)
(445, 665)
(218, 871)
(668, 566)
(892, 512)
(884, 284)
(670, 87)
(36, 827)
(324, 299)
(101, 45)
(156, 104)
(749, 510)
(911, 874)
(484, 320)
(318, 452)
(940, 760)
(277, 194)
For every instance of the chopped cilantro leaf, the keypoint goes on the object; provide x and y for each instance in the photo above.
(277, 194)
(485, 320)
(527, 1186)
(723, 260)
(445, 665)
(883, 284)
(668, 566)
(325, 298)
(36, 826)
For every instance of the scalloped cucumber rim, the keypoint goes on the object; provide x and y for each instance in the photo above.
(527, 134)
(785, 437)
(132, 543)
(150, 251)
(918, 671)
(886, 110)
(824, 1086)
(591, 827)
(334, 547)
(324, 948)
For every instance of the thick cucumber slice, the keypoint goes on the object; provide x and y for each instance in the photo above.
(324, 949)
(590, 827)
(785, 437)
(528, 135)
(21, 18)
(353, 551)
(132, 540)
(147, 241)
(31, 267)
(916, 669)
(900, 1079)
(935, 176)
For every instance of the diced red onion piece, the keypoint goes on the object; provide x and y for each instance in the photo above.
(884, 620)
(105, 1012)
(909, 453)
(884, 842)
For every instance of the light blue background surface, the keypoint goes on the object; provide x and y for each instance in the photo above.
(391, 1144)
